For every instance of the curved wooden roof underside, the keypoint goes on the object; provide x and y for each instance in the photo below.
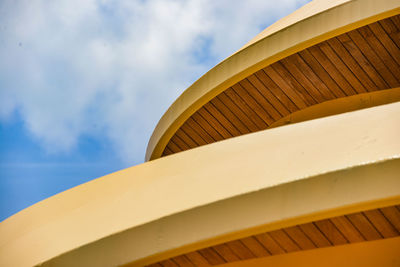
(376, 224)
(360, 61)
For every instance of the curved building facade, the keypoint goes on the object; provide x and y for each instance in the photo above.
(287, 153)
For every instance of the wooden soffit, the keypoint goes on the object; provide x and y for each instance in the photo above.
(343, 230)
(324, 52)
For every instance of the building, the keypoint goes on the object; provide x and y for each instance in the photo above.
(309, 173)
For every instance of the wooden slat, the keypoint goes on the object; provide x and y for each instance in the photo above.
(386, 41)
(180, 143)
(270, 244)
(259, 98)
(276, 90)
(331, 232)
(374, 59)
(346, 73)
(326, 71)
(193, 134)
(206, 126)
(258, 109)
(283, 111)
(315, 235)
(284, 240)
(305, 74)
(384, 227)
(240, 250)
(393, 216)
(391, 30)
(197, 259)
(255, 247)
(293, 83)
(221, 106)
(384, 55)
(347, 229)
(388, 25)
(225, 252)
(199, 130)
(214, 122)
(169, 263)
(182, 260)
(396, 21)
(167, 151)
(242, 116)
(302, 80)
(174, 147)
(211, 256)
(221, 120)
(186, 138)
(231, 93)
(297, 99)
(363, 62)
(351, 64)
(298, 236)
(364, 226)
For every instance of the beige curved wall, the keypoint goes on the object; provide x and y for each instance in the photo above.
(147, 212)
(312, 24)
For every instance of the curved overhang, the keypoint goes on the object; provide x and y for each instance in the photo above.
(316, 22)
(340, 105)
(342, 167)
(336, 165)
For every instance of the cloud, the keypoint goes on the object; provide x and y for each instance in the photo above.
(111, 68)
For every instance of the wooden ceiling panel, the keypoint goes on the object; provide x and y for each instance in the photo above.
(348, 230)
(363, 60)
(255, 247)
(315, 235)
(364, 226)
(351, 228)
(301, 239)
(327, 71)
(229, 115)
(270, 244)
(197, 259)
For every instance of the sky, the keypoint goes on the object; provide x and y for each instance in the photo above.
(83, 83)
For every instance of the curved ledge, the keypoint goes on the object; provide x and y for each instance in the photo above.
(341, 105)
(94, 224)
(311, 25)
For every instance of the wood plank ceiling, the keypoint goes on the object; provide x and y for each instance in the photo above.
(360, 61)
(351, 228)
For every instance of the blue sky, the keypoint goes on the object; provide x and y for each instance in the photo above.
(83, 83)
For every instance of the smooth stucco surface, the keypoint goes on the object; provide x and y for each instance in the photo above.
(352, 160)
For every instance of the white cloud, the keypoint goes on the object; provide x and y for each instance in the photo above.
(105, 67)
